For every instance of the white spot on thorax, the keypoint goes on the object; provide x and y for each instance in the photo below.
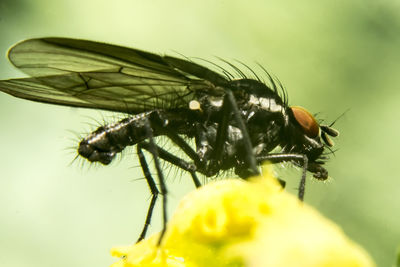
(216, 102)
(265, 103)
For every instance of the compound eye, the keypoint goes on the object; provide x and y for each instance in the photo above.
(306, 121)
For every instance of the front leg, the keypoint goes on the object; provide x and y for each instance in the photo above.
(281, 157)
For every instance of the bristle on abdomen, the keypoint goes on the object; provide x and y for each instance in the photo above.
(104, 143)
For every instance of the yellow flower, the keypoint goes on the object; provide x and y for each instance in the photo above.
(234, 222)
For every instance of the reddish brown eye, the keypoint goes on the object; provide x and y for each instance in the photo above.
(307, 121)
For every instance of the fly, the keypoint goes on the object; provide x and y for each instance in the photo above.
(234, 123)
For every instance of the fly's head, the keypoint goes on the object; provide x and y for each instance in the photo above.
(310, 138)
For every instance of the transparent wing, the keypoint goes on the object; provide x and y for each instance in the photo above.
(95, 75)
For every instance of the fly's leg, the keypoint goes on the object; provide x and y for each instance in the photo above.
(250, 157)
(152, 148)
(287, 157)
(230, 106)
(165, 155)
(183, 145)
(153, 189)
(180, 163)
(157, 153)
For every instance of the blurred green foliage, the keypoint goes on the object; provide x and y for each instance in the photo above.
(331, 56)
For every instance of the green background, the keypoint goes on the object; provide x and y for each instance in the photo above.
(330, 55)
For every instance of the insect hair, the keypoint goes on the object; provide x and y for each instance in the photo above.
(273, 82)
(228, 75)
(92, 124)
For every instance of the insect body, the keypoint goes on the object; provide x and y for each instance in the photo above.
(235, 123)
